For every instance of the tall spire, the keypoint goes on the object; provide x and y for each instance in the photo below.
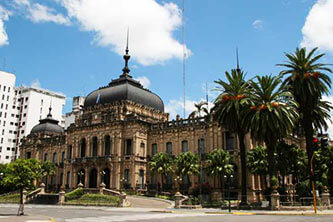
(127, 57)
(238, 69)
(50, 110)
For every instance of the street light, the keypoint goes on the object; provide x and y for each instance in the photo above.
(122, 182)
(228, 178)
(103, 175)
(178, 180)
(80, 174)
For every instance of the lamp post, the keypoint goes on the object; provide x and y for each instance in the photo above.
(102, 173)
(122, 182)
(178, 180)
(228, 178)
(80, 174)
(313, 184)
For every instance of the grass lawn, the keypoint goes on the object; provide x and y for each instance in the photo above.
(77, 197)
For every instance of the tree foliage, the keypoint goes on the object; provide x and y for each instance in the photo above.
(187, 163)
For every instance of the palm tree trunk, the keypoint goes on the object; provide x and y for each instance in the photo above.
(241, 138)
(309, 132)
(162, 183)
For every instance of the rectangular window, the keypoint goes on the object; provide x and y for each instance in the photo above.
(201, 146)
(153, 149)
(184, 146)
(169, 148)
(230, 141)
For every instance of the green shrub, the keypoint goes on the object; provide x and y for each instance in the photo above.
(75, 194)
(96, 199)
(11, 198)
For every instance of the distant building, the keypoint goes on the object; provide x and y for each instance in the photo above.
(69, 118)
(21, 108)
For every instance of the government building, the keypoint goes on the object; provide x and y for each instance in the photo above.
(120, 127)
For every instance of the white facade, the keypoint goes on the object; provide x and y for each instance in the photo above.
(7, 136)
(26, 106)
(69, 118)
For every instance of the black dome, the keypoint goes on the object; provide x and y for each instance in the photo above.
(124, 88)
(47, 125)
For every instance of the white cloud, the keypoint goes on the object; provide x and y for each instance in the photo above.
(330, 125)
(151, 26)
(176, 107)
(36, 84)
(144, 81)
(4, 16)
(258, 24)
(40, 13)
(318, 28)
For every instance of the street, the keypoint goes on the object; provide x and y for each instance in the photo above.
(105, 214)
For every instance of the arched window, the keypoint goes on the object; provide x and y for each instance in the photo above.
(153, 149)
(184, 146)
(169, 148)
(94, 146)
(83, 145)
(201, 146)
(107, 145)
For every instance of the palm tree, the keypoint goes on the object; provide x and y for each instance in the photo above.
(257, 161)
(308, 82)
(199, 108)
(161, 163)
(187, 164)
(272, 114)
(227, 111)
(218, 164)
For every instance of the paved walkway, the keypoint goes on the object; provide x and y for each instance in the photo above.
(142, 202)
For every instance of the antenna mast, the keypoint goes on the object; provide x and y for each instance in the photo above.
(184, 55)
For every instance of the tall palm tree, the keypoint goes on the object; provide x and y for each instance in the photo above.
(308, 81)
(219, 164)
(187, 164)
(227, 111)
(200, 108)
(162, 164)
(272, 114)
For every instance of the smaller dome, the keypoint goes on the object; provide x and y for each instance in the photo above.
(47, 125)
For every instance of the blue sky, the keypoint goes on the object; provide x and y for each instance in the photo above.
(74, 47)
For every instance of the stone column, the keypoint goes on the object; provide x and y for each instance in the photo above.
(178, 198)
(86, 177)
(101, 188)
(62, 197)
(275, 200)
(100, 146)
(42, 188)
(325, 198)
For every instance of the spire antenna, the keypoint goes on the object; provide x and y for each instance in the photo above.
(238, 69)
(50, 109)
(126, 57)
(184, 57)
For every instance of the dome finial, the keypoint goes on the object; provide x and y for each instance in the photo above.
(50, 109)
(127, 57)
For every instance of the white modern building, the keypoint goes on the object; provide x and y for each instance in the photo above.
(69, 118)
(21, 109)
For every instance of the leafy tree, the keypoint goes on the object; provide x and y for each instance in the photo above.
(323, 163)
(272, 114)
(21, 174)
(257, 161)
(219, 164)
(200, 108)
(308, 81)
(290, 159)
(227, 111)
(187, 164)
(47, 169)
(161, 163)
